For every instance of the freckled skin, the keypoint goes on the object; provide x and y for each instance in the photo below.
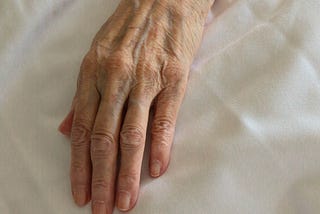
(139, 58)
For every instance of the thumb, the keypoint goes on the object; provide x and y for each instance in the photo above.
(66, 125)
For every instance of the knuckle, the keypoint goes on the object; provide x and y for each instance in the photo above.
(80, 135)
(132, 137)
(99, 50)
(78, 172)
(161, 144)
(162, 131)
(77, 167)
(174, 72)
(119, 61)
(101, 144)
(128, 180)
(103, 43)
(148, 77)
(100, 183)
(143, 92)
(163, 124)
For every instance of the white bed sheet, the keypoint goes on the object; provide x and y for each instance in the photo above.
(247, 138)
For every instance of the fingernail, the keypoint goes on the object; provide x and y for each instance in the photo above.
(80, 196)
(99, 207)
(155, 168)
(123, 201)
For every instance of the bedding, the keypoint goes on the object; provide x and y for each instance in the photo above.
(248, 134)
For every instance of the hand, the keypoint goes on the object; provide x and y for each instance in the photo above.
(139, 58)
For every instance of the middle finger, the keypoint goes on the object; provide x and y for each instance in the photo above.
(104, 146)
(132, 142)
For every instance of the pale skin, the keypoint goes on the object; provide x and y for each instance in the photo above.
(139, 59)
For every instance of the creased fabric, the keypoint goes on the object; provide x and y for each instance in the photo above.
(248, 134)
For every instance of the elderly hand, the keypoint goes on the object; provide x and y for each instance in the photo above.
(139, 58)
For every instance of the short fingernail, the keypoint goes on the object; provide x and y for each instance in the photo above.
(155, 168)
(80, 196)
(123, 201)
(99, 207)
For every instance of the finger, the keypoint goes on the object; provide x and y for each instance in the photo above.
(80, 172)
(83, 119)
(132, 142)
(163, 126)
(104, 147)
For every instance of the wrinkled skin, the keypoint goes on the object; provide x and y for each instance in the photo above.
(139, 59)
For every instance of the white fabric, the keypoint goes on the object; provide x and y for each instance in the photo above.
(247, 138)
